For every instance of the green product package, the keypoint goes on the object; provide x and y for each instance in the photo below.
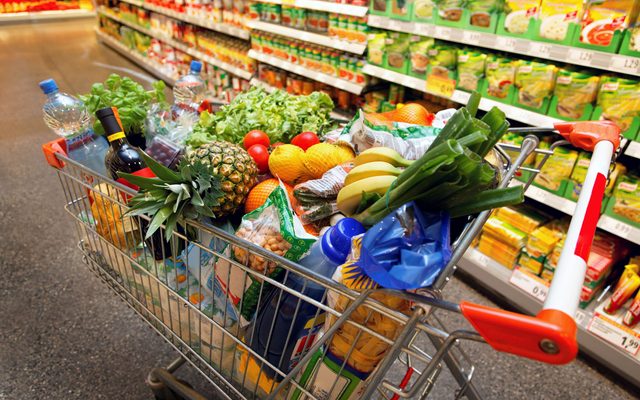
(418, 51)
(397, 49)
(500, 74)
(574, 92)
(401, 9)
(276, 228)
(450, 10)
(557, 169)
(443, 60)
(626, 198)
(423, 10)
(481, 10)
(471, 66)
(535, 83)
(619, 100)
(376, 43)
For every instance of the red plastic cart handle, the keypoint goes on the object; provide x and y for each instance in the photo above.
(50, 149)
(551, 335)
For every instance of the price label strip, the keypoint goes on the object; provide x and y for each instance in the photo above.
(615, 333)
(441, 86)
(530, 284)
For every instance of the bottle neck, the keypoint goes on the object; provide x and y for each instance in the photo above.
(117, 140)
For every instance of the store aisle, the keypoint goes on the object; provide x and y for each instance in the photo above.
(63, 335)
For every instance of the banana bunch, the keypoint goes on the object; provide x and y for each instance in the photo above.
(375, 171)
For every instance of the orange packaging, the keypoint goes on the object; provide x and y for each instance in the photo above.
(622, 293)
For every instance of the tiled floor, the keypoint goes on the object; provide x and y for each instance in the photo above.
(63, 335)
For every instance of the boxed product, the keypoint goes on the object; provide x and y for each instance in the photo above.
(471, 67)
(625, 203)
(531, 263)
(602, 19)
(575, 93)
(518, 13)
(557, 170)
(555, 18)
(525, 218)
(535, 82)
(542, 241)
(619, 101)
(500, 77)
(508, 234)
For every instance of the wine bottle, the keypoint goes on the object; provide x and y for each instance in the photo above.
(121, 155)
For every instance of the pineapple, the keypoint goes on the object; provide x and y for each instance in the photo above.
(235, 168)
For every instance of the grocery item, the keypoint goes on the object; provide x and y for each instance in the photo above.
(400, 8)
(411, 113)
(555, 17)
(190, 90)
(376, 43)
(69, 119)
(418, 52)
(580, 172)
(294, 165)
(626, 288)
(423, 9)
(471, 67)
(110, 222)
(632, 316)
(397, 49)
(619, 100)
(256, 137)
(481, 10)
(634, 34)
(442, 60)
(535, 83)
(626, 197)
(574, 92)
(121, 156)
(602, 18)
(450, 10)
(260, 193)
(501, 75)
(305, 140)
(557, 168)
(518, 15)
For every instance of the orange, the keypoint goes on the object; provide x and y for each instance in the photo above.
(260, 192)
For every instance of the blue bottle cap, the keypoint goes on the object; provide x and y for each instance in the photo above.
(336, 241)
(196, 66)
(48, 86)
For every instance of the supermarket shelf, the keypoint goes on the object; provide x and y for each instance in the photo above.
(336, 115)
(180, 46)
(633, 150)
(135, 57)
(495, 277)
(307, 73)
(322, 40)
(619, 228)
(219, 27)
(9, 18)
(571, 55)
(328, 6)
(459, 96)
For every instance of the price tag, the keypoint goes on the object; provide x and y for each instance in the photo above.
(441, 86)
(582, 57)
(505, 43)
(615, 333)
(529, 283)
(288, 2)
(471, 37)
(443, 33)
(627, 64)
(580, 316)
(541, 49)
(480, 258)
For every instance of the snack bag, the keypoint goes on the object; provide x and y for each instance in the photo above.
(471, 66)
(574, 91)
(273, 226)
(317, 197)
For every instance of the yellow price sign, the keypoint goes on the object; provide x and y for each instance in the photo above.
(441, 86)
(288, 2)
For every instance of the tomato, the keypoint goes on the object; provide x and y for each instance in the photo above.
(305, 140)
(256, 137)
(260, 155)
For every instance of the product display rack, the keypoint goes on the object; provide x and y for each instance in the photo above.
(496, 278)
(315, 38)
(9, 18)
(307, 73)
(459, 96)
(215, 26)
(180, 46)
(328, 6)
(572, 55)
(633, 150)
(141, 61)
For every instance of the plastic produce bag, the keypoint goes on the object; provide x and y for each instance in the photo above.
(317, 197)
(167, 132)
(407, 249)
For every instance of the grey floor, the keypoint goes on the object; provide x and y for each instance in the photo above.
(62, 334)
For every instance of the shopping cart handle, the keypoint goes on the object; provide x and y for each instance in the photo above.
(50, 149)
(549, 337)
(586, 134)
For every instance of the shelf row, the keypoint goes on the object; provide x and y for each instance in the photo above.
(572, 55)
(327, 6)
(526, 293)
(315, 38)
(567, 206)
(215, 26)
(45, 15)
(307, 73)
(141, 61)
(182, 47)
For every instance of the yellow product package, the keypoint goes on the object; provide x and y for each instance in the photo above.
(535, 82)
(522, 217)
(575, 91)
(557, 168)
(619, 100)
(518, 14)
(107, 210)
(500, 74)
(627, 197)
(555, 17)
(602, 18)
(505, 232)
(542, 241)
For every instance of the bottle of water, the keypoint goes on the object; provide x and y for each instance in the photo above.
(68, 117)
(190, 90)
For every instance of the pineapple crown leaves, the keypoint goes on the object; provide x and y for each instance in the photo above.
(173, 196)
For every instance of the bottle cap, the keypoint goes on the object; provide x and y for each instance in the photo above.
(336, 242)
(48, 86)
(196, 66)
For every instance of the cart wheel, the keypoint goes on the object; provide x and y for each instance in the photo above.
(166, 393)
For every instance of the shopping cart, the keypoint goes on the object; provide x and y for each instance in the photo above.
(411, 351)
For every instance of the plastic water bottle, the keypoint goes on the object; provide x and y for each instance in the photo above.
(284, 338)
(190, 90)
(68, 117)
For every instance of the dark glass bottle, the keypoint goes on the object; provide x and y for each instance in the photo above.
(121, 156)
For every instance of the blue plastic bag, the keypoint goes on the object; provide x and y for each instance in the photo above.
(407, 249)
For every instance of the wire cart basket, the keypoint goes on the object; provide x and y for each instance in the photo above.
(163, 282)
